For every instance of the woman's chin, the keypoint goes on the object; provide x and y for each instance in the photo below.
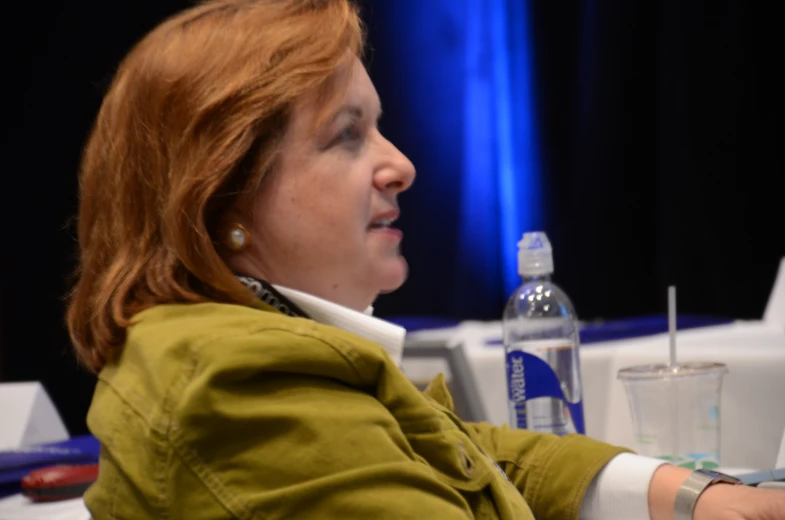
(393, 274)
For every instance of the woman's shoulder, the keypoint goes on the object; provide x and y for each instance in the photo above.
(198, 318)
(215, 337)
(180, 357)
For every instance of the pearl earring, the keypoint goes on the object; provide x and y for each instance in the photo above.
(237, 238)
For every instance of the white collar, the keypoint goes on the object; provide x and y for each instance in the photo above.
(363, 324)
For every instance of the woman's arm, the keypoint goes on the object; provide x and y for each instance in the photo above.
(296, 446)
(553, 473)
(717, 502)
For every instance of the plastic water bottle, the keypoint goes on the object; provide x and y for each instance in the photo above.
(541, 347)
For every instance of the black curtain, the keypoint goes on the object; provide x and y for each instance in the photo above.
(664, 131)
(60, 59)
(661, 126)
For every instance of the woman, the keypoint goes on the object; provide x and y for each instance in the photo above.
(237, 202)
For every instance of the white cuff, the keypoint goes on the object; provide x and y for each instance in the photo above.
(621, 489)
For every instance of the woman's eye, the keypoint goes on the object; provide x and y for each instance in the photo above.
(348, 135)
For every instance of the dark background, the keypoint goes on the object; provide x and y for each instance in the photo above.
(661, 129)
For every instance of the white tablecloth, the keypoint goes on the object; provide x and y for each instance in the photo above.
(753, 397)
(17, 507)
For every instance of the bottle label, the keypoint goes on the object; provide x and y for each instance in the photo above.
(529, 378)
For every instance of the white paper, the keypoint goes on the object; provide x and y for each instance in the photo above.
(18, 507)
(775, 309)
(29, 416)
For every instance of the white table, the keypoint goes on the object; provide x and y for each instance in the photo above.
(17, 507)
(752, 409)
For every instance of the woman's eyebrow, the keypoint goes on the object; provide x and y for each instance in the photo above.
(354, 110)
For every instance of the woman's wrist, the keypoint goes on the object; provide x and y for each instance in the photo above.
(665, 484)
(715, 502)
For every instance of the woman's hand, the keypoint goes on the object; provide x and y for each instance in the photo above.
(717, 502)
(727, 502)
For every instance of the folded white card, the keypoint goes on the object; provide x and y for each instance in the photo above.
(775, 309)
(28, 416)
(17, 507)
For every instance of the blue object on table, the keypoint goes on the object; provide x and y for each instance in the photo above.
(593, 332)
(643, 326)
(597, 332)
(15, 464)
(415, 323)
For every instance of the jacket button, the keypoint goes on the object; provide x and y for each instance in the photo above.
(466, 461)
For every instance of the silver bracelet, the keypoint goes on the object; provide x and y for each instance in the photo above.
(694, 486)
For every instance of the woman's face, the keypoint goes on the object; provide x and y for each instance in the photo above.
(321, 223)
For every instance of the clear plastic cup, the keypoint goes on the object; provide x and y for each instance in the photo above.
(676, 411)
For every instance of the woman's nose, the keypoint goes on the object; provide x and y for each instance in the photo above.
(397, 172)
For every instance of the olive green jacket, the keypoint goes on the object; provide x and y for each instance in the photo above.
(218, 411)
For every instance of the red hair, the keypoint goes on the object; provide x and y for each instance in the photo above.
(193, 119)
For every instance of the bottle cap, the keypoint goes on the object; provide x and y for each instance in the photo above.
(534, 254)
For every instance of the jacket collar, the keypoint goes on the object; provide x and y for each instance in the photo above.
(363, 324)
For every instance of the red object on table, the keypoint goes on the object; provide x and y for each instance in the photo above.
(60, 482)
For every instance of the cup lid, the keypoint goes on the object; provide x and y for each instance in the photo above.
(665, 370)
